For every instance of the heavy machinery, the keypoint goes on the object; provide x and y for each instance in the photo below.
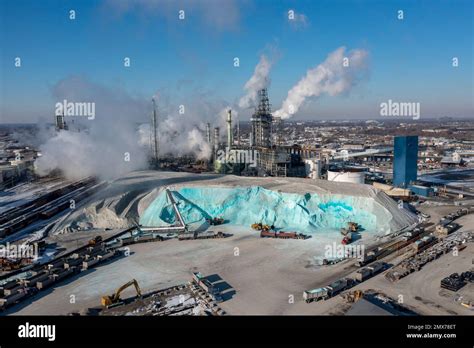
(353, 296)
(262, 227)
(353, 226)
(95, 241)
(114, 299)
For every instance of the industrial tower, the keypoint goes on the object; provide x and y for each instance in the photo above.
(262, 122)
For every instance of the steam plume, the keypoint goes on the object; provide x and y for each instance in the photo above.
(258, 81)
(331, 77)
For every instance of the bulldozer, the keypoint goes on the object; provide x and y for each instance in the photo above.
(114, 299)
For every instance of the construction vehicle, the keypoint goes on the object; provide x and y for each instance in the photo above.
(257, 226)
(262, 227)
(353, 296)
(114, 299)
(353, 226)
(95, 241)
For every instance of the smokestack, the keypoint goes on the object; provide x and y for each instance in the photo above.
(216, 139)
(230, 140)
(238, 132)
(155, 135)
(208, 132)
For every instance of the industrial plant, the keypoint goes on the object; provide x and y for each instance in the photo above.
(233, 171)
(363, 218)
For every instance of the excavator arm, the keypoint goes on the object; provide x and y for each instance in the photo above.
(108, 300)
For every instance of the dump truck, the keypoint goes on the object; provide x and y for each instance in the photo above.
(316, 294)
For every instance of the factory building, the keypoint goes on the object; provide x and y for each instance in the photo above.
(405, 160)
(264, 157)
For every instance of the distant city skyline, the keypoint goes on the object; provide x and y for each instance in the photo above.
(191, 61)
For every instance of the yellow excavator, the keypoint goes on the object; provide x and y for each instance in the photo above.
(107, 301)
(353, 296)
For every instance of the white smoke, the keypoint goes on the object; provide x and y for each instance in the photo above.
(331, 77)
(117, 141)
(108, 147)
(258, 81)
(184, 134)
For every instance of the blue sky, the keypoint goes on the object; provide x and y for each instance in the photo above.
(410, 59)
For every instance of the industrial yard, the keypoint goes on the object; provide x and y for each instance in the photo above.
(258, 284)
